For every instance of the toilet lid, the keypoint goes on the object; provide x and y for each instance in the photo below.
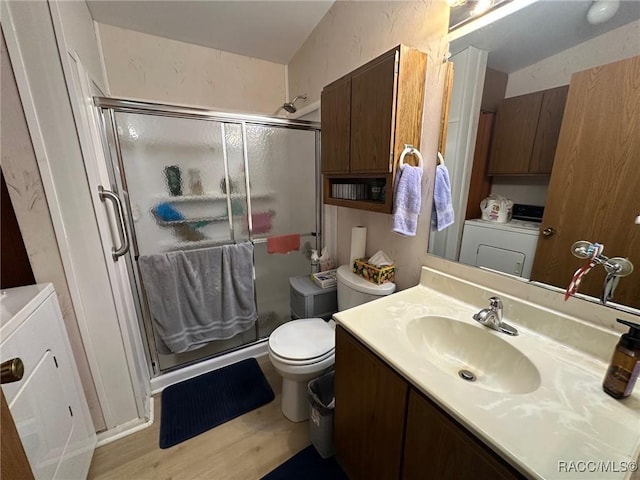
(303, 339)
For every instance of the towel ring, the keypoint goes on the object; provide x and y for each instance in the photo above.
(410, 150)
(440, 159)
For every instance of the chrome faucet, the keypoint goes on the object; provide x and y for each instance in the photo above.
(492, 317)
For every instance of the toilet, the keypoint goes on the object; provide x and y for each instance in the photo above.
(301, 350)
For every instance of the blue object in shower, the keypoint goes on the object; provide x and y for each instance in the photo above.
(168, 213)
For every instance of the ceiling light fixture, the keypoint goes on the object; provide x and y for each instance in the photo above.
(481, 7)
(602, 11)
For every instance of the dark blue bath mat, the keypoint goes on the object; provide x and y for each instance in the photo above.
(308, 465)
(196, 405)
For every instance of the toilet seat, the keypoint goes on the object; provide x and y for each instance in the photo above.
(309, 361)
(302, 342)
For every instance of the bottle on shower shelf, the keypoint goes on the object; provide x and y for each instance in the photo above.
(195, 182)
(174, 180)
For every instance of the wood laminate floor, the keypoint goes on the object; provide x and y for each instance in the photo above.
(245, 448)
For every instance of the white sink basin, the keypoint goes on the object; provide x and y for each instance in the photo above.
(453, 346)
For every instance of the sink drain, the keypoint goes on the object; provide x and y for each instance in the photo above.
(467, 375)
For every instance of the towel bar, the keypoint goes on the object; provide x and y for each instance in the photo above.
(410, 150)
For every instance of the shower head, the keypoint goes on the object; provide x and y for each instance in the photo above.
(290, 106)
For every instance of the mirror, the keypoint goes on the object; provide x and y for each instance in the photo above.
(529, 56)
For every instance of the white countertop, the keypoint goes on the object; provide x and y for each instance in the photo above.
(557, 431)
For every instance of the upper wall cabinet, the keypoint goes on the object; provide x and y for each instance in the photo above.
(367, 118)
(526, 133)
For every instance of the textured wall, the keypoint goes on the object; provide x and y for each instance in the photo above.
(32, 211)
(159, 69)
(618, 44)
(350, 34)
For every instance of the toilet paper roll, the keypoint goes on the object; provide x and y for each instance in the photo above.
(358, 243)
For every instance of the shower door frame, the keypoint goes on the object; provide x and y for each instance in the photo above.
(107, 107)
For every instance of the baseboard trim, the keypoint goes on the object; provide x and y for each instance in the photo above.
(126, 429)
(161, 382)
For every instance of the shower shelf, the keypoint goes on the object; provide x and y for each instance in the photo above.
(168, 223)
(214, 197)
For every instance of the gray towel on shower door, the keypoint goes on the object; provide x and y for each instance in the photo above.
(200, 295)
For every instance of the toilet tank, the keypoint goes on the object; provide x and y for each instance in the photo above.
(353, 290)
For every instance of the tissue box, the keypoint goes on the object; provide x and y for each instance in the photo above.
(374, 274)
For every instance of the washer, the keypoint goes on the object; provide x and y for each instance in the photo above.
(505, 247)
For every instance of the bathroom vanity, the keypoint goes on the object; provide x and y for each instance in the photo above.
(387, 429)
(535, 408)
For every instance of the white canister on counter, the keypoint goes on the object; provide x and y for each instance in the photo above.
(496, 208)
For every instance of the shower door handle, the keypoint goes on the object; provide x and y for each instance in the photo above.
(122, 229)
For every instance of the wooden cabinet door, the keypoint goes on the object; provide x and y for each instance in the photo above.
(437, 448)
(373, 99)
(370, 409)
(593, 192)
(548, 130)
(336, 126)
(14, 463)
(514, 134)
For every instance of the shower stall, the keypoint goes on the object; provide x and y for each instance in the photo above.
(187, 178)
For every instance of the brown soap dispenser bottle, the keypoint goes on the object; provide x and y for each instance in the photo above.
(625, 363)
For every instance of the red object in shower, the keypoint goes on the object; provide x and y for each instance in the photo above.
(283, 244)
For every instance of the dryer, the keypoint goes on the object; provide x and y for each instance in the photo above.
(505, 247)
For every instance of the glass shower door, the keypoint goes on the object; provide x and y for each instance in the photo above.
(194, 180)
(185, 181)
(283, 200)
(175, 171)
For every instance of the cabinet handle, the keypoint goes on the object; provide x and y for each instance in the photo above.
(549, 232)
(122, 228)
(11, 370)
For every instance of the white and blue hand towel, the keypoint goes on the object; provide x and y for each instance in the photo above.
(407, 197)
(442, 215)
